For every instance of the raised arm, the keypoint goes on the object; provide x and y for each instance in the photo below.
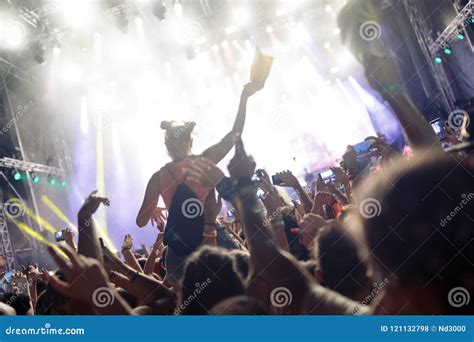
(150, 200)
(382, 75)
(268, 264)
(216, 152)
(88, 241)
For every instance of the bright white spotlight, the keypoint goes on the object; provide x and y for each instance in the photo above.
(72, 72)
(241, 16)
(230, 29)
(269, 29)
(336, 31)
(56, 50)
(280, 12)
(225, 44)
(327, 45)
(13, 34)
(178, 9)
(328, 8)
(77, 13)
(334, 70)
(215, 48)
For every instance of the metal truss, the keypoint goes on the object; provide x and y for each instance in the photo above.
(22, 165)
(423, 35)
(6, 246)
(459, 21)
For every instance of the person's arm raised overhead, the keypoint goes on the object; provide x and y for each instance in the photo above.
(87, 282)
(270, 267)
(382, 75)
(150, 200)
(128, 254)
(289, 180)
(88, 241)
(218, 151)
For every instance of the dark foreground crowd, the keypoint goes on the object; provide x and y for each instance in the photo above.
(385, 232)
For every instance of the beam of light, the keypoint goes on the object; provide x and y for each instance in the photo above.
(37, 236)
(41, 221)
(382, 119)
(78, 14)
(84, 120)
(100, 174)
(45, 199)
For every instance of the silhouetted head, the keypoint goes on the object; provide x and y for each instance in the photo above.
(209, 278)
(178, 139)
(240, 305)
(417, 223)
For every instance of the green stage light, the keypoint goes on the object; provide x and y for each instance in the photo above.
(447, 51)
(35, 178)
(63, 183)
(16, 175)
(460, 36)
(52, 181)
(438, 60)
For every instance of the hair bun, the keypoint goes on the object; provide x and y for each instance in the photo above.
(165, 125)
(190, 124)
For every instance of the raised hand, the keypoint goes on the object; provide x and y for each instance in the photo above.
(159, 218)
(127, 242)
(91, 204)
(288, 179)
(251, 88)
(204, 172)
(241, 165)
(68, 236)
(85, 276)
